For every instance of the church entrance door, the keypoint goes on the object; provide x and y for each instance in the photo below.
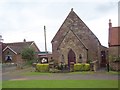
(103, 59)
(71, 57)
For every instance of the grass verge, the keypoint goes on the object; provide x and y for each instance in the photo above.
(61, 84)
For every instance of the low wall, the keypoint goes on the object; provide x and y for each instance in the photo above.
(8, 67)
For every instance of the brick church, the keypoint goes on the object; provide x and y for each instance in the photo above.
(75, 42)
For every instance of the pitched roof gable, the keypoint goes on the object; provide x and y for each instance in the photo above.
(17, 46)
(10, 49)
(73, 21)
(76, 37)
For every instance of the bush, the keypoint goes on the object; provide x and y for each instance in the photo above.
(81, 67)
(77, 67)
(53, 70)
(42, 67)
(87, 67)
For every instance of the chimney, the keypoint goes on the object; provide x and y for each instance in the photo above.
(110, 24)
(24, 40)
(109, 34)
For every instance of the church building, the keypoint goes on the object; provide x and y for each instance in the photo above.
(76, 43)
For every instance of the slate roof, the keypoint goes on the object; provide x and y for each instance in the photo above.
(17, 46)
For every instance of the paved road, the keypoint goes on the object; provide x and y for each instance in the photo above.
(16, 75)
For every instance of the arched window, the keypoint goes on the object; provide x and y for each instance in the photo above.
(80, 58)
(62, 58)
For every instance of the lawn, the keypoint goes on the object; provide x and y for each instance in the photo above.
(61, 84)
(0, 85)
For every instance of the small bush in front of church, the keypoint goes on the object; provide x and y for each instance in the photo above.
(77, 67)
(81, 67)
(87, 67)
(42, 67)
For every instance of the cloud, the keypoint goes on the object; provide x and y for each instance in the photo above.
(21, 19)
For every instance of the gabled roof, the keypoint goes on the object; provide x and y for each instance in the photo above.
(17, 47)
(114, 37)
(76, 37)
(73, 19)
(10, 49)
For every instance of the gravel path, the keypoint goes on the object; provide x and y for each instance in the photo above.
(16, 75)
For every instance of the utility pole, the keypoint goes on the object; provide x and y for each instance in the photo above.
(45, 39)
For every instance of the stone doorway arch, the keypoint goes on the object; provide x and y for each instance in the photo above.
(71, 57)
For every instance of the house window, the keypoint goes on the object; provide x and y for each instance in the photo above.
(8, 58)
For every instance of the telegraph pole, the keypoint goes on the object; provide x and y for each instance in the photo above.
(45, 39)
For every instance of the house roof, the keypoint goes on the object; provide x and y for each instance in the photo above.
(17, 47)
(114, 36)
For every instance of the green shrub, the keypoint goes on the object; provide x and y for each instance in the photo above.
(42, 67)
(77, 67)
(81, 67)
(87, 67)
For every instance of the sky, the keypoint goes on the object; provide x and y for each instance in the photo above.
(25, 19)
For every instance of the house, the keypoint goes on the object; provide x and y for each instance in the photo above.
(11, 52)
(76, 43)
(114, 40)
(114, 46)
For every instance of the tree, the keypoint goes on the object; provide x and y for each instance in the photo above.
(28, 54)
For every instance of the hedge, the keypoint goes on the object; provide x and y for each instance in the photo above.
(81, 67)
(42, 67)
(87, 67)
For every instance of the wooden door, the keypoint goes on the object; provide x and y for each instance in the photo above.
(71, 57)
(103, 59)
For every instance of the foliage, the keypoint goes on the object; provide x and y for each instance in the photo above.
(28, 54)
(62, 66)
(87, 67)
(77, 67)
(113, 58)
(89, 61)
(42, 67)
(54, 70)
(81, 67)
